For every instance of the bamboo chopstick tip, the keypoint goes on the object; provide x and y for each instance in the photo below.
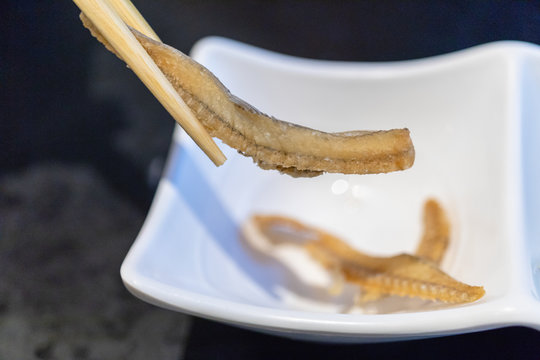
(116, 35)
(218, 158)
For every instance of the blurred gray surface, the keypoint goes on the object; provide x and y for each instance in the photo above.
(64, 234)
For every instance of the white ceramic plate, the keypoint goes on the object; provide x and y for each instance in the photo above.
(474, 120)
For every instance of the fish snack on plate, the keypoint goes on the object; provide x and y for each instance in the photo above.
(408, 275)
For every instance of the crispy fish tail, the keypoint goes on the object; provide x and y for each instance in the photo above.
(436, 234)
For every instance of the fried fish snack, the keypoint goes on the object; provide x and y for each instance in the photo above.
(436, 234)
(271, 143)
(401, 275)
(433, 243)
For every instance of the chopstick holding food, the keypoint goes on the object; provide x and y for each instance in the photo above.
(271, 143)
(132, 17)
(121, 39)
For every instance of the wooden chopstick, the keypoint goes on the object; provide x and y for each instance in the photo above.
(115, 31)
(132, 17)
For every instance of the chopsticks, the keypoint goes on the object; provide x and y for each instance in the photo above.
(109, 16)
(132, 17)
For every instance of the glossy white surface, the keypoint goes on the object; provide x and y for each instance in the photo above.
(468, 113)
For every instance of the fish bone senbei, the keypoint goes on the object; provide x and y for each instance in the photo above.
(411, 275)
(271, 143)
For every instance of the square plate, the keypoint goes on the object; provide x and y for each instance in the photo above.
(474, 122)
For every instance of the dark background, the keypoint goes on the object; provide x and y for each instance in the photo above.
(82, 145)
